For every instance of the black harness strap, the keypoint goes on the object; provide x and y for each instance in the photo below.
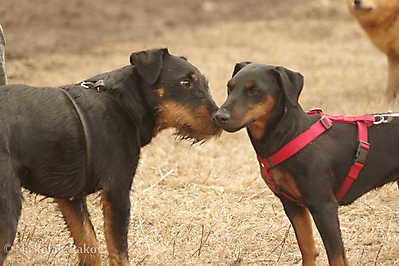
(85, 130)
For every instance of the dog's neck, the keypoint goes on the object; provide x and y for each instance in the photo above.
(284, 126)
(124, 87)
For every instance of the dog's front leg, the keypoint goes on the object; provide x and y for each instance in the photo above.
(392, 90)
(116, 210)
(302, 223)
(325, 216)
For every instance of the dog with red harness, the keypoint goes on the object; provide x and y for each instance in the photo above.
(312, 161)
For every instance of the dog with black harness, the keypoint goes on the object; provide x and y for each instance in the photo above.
(312, 161)
(71, 141)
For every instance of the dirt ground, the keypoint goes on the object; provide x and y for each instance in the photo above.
(204, 204)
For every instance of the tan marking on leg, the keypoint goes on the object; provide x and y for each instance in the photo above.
(82, 231)
(116, 256)
(261, 113)
(304, 236)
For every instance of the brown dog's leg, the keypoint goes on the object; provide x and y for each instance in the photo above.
(77, 218)
(302, 223)
(116, 210)
(393, 77)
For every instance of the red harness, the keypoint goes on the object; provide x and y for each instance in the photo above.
(303, 139)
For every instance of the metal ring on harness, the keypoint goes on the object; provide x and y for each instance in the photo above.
(379, 119)
(385, 118)
(98, 85)
(86, 84)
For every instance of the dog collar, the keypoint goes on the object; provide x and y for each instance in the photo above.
(85, 130)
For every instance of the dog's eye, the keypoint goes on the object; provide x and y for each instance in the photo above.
(253, 91)
(187, 84)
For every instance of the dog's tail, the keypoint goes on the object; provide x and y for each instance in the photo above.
(3, 74)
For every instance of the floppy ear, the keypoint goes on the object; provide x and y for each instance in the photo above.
(149, 63)
(238, 67)
(292, 83)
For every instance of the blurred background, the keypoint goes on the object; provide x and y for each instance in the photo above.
(204, 204)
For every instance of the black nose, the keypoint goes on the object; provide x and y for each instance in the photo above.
(221, 117)
(357, 2)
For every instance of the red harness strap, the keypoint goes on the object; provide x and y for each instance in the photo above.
(305, 138)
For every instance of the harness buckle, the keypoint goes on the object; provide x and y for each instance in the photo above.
(362, 152)
(99, 85)
(325, 122)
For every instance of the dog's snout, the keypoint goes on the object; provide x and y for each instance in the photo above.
(357, 2)
(221, 116)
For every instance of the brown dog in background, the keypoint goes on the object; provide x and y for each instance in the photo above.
(380, 20)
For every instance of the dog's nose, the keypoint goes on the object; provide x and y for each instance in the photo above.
(221, 117)
(357, 2)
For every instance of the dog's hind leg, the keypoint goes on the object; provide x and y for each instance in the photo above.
(10, 207)
(78, 221)
(301, 221)
(116, 210)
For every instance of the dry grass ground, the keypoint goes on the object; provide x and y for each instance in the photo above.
(206, 204)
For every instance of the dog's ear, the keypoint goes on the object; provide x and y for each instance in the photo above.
(149, 63)
(238, 67)
(291, 83)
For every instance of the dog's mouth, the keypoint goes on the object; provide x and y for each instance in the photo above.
(235, 129)
(187, 132)
(361, 8)
(195, 125)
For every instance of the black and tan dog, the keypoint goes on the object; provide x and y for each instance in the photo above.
(71, 141)
(264, 99)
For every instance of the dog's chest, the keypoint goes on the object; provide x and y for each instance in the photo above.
(284, 180)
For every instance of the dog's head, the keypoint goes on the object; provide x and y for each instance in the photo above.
(256, 94)
(372, 11)
(178, 94)
(362, 5)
